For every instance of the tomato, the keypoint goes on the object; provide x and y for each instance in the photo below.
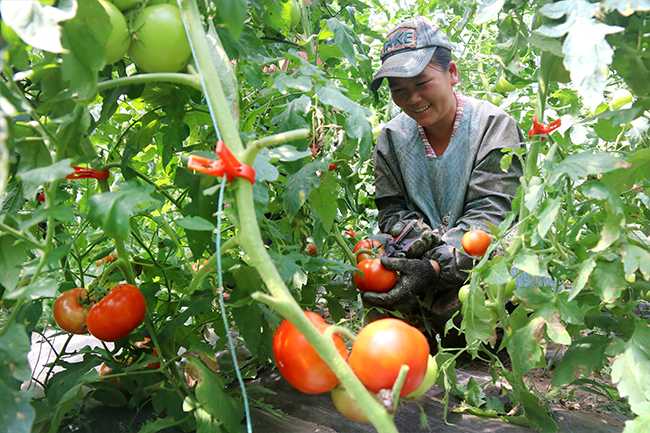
(109, 258)
(117, 314)
(511, 285)
(298, 361)
(196, 267)
(376, 278)
(160, 44)
(368, 244)
(68, 314)
(312, 250)
(333, 167)
(119, 40)
(476, 242)
(126, 4)
(347, 406)
(380, 350)
(294, 13)
(143, 345)
(429, 379)
(41, 197)
(504, 86)
(462, 293)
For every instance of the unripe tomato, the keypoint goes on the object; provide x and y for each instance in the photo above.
(347, 406)
(294, 13)
(160, 44)
(117, 314)
(126, 4)
(462, 293)
(380, 350)
(368, 244)
(620, 98)
(476, 242)
(298, 361)
(429, 379)
(376, 278)
(119, 40)
(68, 314)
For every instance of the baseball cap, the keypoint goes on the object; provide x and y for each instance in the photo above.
(408, 49)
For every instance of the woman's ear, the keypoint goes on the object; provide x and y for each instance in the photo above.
(453, 71)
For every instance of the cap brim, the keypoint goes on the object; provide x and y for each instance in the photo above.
(403, 65)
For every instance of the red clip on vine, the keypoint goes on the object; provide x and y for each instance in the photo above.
(542, 128)
(88, 173)
(227, 165)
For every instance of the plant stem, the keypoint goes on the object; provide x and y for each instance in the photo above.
(188, 79)
(336, 232)
(254, 147)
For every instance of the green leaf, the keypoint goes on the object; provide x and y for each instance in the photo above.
(41, 288)
(640, 424)
(528, 261)
(236, 11)
(42, 175)
(11, 260)
(584, 355)
(631, 370)
(293, 117)
(344, 37)
(584, 272)
(158, 425)
(606, 281)
(323, 201)
(572, 312)
(16, 413)
(579, 165)
(535, 297)
(525, 348)
(602, 191)
(111, 210)
(300, 185)
(627, 7)
(195, 223)
(14, 348)
(548, 215)
(288, 153)
(59, 213)
(610, 233)
(497, 274)
(64, 405)
(635, 258)
(536, 414)
(264, 170)
(215, 407)
(36, 24)
(488, 10)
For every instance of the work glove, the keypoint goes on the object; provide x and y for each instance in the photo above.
(411, 239)
(416, 275)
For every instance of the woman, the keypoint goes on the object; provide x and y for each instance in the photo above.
(437, 166)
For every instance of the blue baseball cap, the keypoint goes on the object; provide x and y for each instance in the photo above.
(408, 49)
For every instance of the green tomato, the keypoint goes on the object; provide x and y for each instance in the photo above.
(511, 285)
(494, 98)
(428, 381)
(160, 2)
(504, 86)
(295, 13)
(119, 40)
(620, 98)
(160, 44)
(126, 4)
(347, 406)
(462, 293)
(369, 39)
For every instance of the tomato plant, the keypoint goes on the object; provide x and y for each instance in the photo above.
(68, 314)
(347, 406)
(117, 314)
(382, 347)
(368, 244)
(144, 344)
(299, 362)
(160, 43)
(376, 278)
(476, 242)
(119, 39)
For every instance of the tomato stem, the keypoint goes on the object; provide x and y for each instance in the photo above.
(336, 232)
(397, 386)
(341, 330)
(178, 78)
(254, 147)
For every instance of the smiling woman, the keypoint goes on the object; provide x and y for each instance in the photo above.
(437, 163)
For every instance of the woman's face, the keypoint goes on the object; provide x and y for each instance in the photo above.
(427, 98)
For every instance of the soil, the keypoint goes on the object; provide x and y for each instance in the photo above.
(572, 398)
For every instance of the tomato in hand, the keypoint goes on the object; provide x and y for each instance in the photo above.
(298, 361)
(476, 242)
(117, 314)
(347, 406)
(68, 314)
(160, 43)
(380, 350)
(376, 278)
(368, 244)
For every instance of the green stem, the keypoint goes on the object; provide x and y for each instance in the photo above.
(203, 272)
(254, 147)
(190, 80)
(336, 232)
(341, 330)
(397, 386)
(20, 235)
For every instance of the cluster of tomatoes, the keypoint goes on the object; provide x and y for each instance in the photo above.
(376, 278)
(112, 318)
(385, 344)
(156, 41)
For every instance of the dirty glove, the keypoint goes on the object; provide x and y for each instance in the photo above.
(412, 238)
(416, 275)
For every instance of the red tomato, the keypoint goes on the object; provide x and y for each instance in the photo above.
(109, 258)
(476, 242)
(68, 314)
(196, 267)
(117, 314)
(312, 250)
(299, 362)
(368, 244)
(380, 350)
(376, 278)
(333, 167)
(347, 406)
(143, 345)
